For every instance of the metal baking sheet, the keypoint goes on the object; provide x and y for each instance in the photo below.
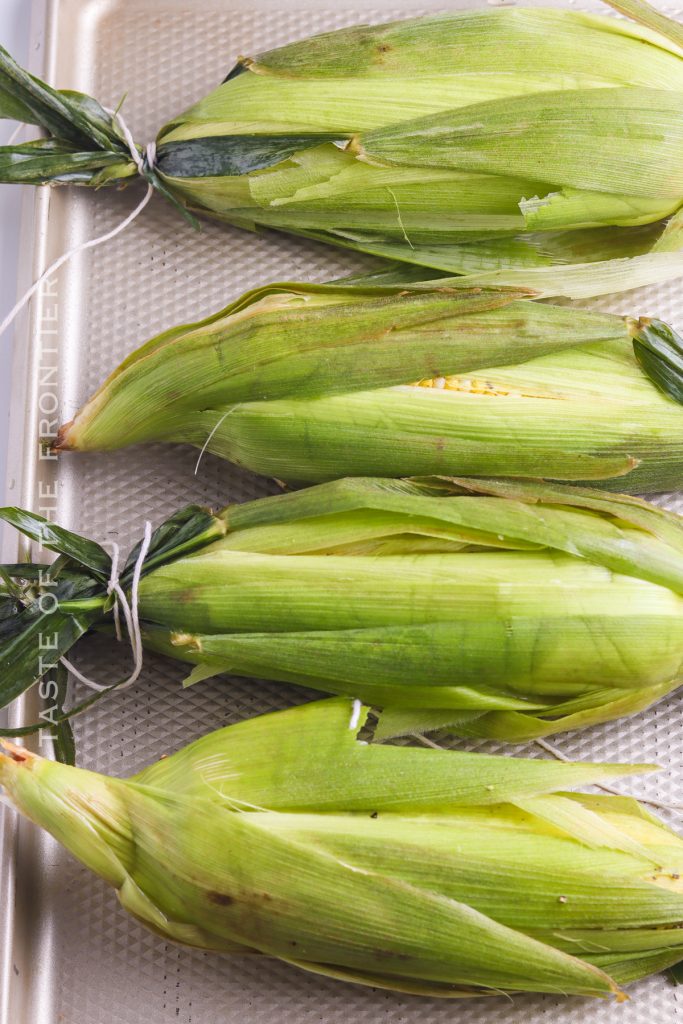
(68, 953)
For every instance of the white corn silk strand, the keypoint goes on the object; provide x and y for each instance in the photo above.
(93, 242)
(130, 613)
(211, 436)
(399, 217)
(15, 135)
(355, 714)
(425, 741)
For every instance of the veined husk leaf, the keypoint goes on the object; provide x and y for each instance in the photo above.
(531, 617)
(605, 150)
(416, 184)
(522, 125)
(371, 75)
(309, 383)
(517, 609)
(388, 866)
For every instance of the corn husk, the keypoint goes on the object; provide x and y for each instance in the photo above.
(424, 871)
(311, 383)
(517, 610)
(472, 142)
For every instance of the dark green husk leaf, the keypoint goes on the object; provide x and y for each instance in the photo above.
(659, 350)
(83, 552)
(228, 155)
(65, 600)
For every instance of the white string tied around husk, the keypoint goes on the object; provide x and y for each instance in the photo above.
(131, 615)
(145, 164)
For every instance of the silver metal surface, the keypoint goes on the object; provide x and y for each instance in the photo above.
(68, 953)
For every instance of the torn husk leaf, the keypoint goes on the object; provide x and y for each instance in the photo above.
(517, 609)
(315, 382)
(483, 141)
(387, 866)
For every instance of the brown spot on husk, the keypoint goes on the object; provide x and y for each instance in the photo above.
(222, 899)
(15, 753)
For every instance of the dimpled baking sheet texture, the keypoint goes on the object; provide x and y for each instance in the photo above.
(76, 957)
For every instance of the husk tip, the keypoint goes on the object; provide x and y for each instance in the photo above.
(61, 443)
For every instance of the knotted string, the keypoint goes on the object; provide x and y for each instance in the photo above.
(150, 157)
(131, 615)
(144, 165)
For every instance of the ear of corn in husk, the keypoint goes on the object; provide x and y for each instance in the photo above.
(469, 142)
(313, 382)
(517, 609)
(425, 871)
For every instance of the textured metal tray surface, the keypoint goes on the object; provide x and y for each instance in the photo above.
(69, 954)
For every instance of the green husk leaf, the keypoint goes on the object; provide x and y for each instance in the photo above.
(659, 350)
(217, 156)
(71, 117)
(44, 161)
(594, 538)
(48, 608)
(391, 866)
(556, 607)
(83, 552)
(646, 15)
(676, 973)
(63, 736)
(416, 182)
(187, 530)
(584, 824)
(356, 773)
(276, 382)
(633, 125)
(22, 658)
